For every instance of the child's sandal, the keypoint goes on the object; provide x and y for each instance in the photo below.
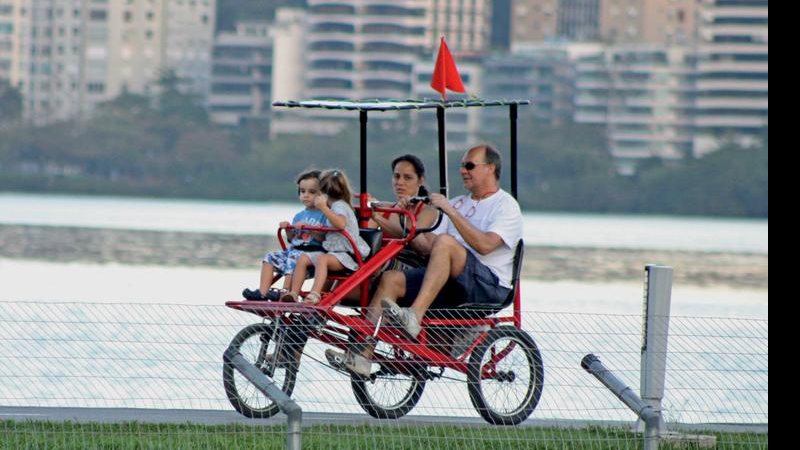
(313, 298)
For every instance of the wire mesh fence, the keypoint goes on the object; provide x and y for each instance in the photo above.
(97, 375)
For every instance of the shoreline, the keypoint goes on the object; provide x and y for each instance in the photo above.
(189, 249)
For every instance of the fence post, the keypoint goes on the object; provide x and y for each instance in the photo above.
(646, 413)
(655, 334)
(292, 410)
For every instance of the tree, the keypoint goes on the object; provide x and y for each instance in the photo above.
(10, 104)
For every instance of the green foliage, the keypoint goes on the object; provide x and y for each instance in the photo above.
(165, 146)
(10, 104)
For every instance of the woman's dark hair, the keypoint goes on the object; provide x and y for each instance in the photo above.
(419, 168)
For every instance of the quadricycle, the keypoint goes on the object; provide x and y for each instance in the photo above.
(485, 343)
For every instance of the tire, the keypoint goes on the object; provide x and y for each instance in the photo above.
(254, 342)
(512, 391)
(388, 394)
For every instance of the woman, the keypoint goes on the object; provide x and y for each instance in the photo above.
(408, 180)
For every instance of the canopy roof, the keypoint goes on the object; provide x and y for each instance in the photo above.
(391, 105)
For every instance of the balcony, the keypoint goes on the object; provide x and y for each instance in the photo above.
(733, 85)
(731, 121)
(348, 75)
(733, 66)
(732, 103)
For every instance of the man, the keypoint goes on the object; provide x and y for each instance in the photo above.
(471, 256)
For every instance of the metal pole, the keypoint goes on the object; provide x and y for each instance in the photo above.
(362, 116)
(657, 299)
(293, 412)
(364, 213)
(649, 415)
(513, 115)
(442, 150)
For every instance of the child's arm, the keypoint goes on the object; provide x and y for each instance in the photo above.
(289, 233)
(336, 220)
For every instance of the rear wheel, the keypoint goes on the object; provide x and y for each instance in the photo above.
(505, 376)
(394, 390)
(257, 342)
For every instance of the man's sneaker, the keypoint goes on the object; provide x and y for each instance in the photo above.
(349, 361)
(404, 317)
(463, 339)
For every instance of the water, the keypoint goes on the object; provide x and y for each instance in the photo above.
(546, 229)
(132, 336)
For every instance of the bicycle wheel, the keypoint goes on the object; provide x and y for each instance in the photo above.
(505, 376)
(255, 342)
(392, 391)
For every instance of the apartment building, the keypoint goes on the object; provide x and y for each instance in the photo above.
(74, 54)
(533, 21)
(643, 95)
(241, 75)
(732, 97)
(663, 22)
(542, 74)
(579, 20)
(466, 24)
(10, 23)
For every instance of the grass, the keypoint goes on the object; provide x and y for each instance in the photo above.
(135, 435)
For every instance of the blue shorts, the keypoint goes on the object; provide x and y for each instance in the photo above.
(477, 285)
(285, 261)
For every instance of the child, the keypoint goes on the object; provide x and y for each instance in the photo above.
(301, 242)
(335, 202)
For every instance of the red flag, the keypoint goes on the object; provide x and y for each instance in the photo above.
(445, 74)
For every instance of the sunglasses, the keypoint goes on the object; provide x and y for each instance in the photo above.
(469, 165)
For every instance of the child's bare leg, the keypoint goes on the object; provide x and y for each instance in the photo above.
(299, 275)
(321, 268)
(267, 273)
(287, 282)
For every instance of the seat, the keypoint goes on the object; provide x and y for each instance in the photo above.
(373, 237)
(481, 310)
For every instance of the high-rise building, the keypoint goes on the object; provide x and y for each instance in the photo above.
(662, 22)
(359, 49)
(75, 54)
(241, 74)
(354, 50)
(541, 74)
(732, 88)
(10, 23)
(533, 21)
(643, 95)
(465, 24)
(188, 37)
(579, 20)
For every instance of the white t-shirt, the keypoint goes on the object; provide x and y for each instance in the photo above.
(500, 214)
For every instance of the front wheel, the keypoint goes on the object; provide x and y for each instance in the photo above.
(257, 343)
(392, 391)
(505, 376)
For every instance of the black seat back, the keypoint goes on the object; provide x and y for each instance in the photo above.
(373, 238)
(519, 252)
